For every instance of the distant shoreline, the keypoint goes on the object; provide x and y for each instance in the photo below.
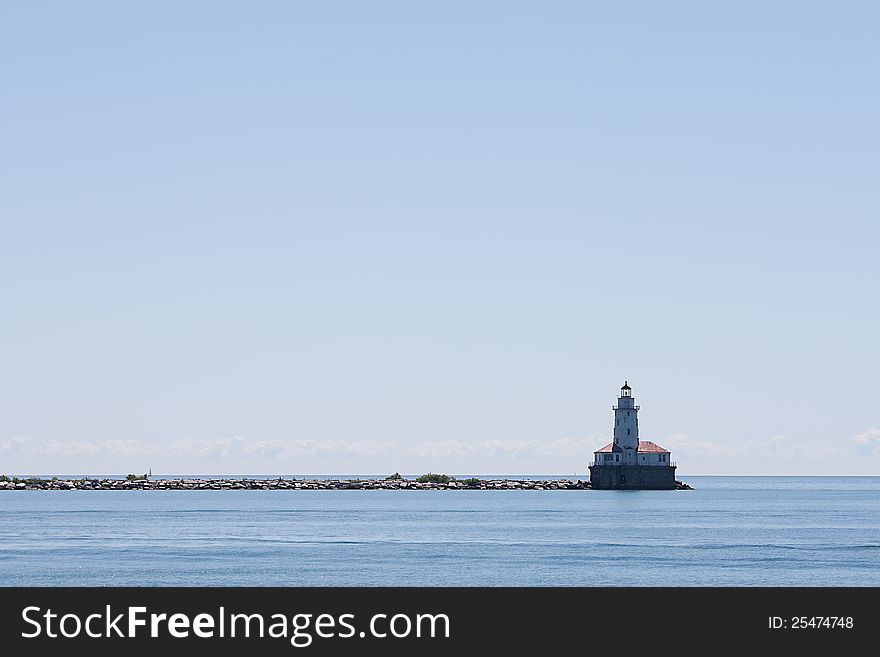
(426, 482)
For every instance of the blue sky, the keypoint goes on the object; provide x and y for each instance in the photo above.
(347, 237)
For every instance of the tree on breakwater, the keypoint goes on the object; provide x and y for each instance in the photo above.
(30, 481)
(432, 478)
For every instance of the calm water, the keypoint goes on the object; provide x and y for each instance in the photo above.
(752, 531)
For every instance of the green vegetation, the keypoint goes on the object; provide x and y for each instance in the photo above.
(133, 477)
(432, 478)
(471, 482)
(395, 477)
(30, 481)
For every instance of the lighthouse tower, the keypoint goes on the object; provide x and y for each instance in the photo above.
(626, 425)
(628, 462)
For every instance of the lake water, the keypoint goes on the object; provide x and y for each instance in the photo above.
(751, 531)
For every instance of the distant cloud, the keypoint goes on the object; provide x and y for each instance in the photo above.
(238, 446)
(777, 448)
(103, 448)
(681, 443)
(339, 447)
(509, 449)
(229, 453)
(14, 444)
(868, 442)
(221, 448)
(782, 447)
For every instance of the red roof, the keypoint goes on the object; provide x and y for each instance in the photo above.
(644, 446)
(648, 446)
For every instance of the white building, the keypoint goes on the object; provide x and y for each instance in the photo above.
(627, 449)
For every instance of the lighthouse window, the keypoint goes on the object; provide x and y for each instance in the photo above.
(617, 457)
(627, 432)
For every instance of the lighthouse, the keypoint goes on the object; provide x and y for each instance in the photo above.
(626, 424)
(627, 462)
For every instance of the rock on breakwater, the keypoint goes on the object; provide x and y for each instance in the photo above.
(282, 483)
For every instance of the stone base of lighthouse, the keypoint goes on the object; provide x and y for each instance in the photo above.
(632, 477)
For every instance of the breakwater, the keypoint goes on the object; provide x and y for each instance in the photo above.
(289, 483)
